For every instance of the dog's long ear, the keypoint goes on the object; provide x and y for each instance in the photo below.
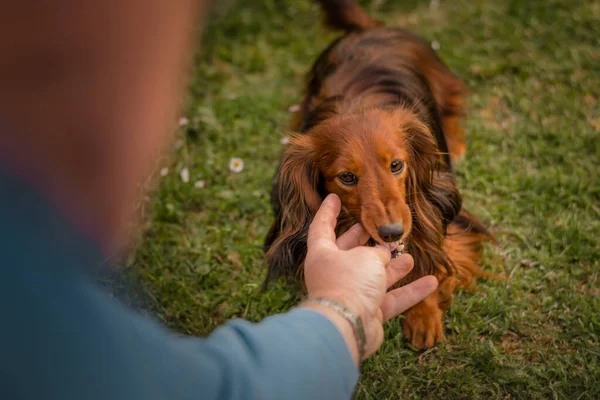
(296, 199)
(432, 196)
(429, 183)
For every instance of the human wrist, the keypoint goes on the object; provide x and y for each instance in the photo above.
(348, 312)
(343, 326)
(349, 302)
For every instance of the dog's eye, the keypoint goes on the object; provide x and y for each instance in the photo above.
(397, 166)
(348, 178)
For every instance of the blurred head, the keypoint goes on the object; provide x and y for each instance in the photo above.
(90, 93)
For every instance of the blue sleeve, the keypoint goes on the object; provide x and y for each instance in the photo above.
(80, 344)
(299, 355)
(63, 337)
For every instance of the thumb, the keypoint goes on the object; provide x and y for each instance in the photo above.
(322, 229)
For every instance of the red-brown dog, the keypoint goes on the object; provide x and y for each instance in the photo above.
(379, 126)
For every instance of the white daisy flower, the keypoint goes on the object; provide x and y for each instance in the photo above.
(435, 45)
(200, 184)
(183, 121)
(284, 140)
(294, 108)
(185, 175)
(236, 164)
(164, 171)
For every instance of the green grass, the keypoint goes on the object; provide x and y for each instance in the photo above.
(532, 173)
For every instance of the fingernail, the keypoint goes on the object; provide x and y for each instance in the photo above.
(330, 199)
(431, 281)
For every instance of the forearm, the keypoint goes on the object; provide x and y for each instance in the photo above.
(302, 354)
(68, 339)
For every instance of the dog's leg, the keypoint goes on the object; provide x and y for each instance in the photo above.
(449, 93)
(423, 322)
(451, 97)
(455, 137)
(464, 244)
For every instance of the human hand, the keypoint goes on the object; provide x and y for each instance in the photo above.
(357, 277)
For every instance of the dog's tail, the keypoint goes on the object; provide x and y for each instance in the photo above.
(347, 15)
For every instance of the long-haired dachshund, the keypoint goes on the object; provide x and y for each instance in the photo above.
(379, 126)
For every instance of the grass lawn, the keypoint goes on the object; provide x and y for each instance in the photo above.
(532, 173)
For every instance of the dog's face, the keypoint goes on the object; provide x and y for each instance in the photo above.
(372, 161)
(385, 166)
(364, 159)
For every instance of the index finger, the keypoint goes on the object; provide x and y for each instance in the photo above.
(398, 268)
(322, 228)
(399, 300)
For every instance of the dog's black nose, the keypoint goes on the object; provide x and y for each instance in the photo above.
(391, 232)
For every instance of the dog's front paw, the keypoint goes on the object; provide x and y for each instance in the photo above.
(423, 323)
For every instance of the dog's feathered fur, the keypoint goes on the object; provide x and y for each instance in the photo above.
(372, 89)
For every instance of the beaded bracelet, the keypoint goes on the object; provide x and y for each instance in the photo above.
(355, 321)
